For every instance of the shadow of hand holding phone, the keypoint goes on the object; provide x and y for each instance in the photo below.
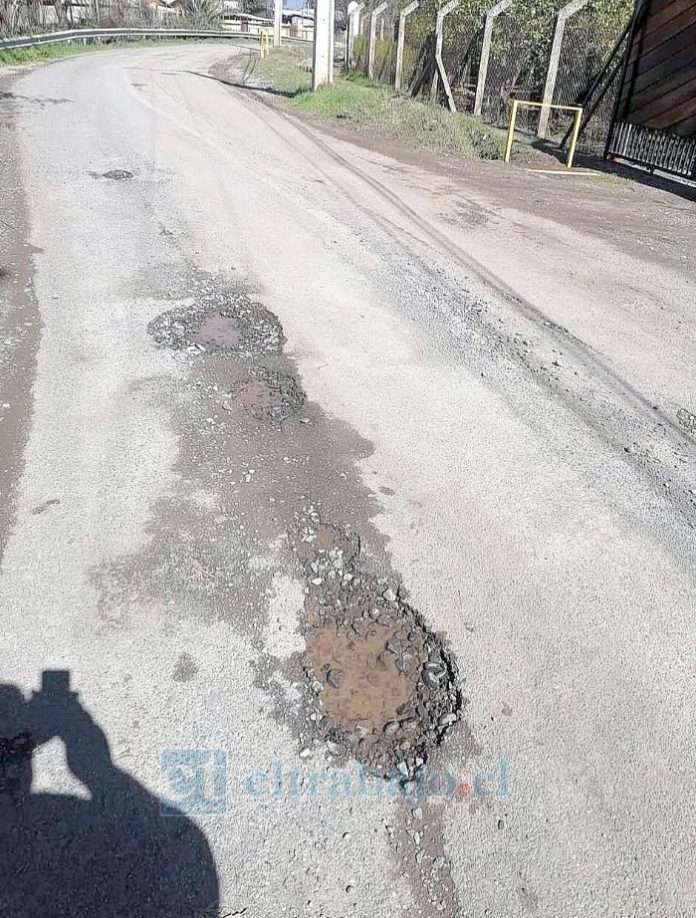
(112, 855)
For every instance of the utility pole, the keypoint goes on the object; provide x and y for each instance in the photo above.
(322, 58)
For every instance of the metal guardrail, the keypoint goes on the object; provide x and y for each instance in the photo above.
(55, 38)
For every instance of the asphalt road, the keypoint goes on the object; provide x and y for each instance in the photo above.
(524, 484)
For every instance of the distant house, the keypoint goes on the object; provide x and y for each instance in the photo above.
(167, 9)
(302, 18)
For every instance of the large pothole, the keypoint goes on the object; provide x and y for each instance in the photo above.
(382, 686)
(221, 320)
(267, 395)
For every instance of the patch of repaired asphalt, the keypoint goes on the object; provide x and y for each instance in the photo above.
(366, 678)
(383, 687)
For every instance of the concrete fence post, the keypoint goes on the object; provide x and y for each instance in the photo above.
(322, 62)
(400, 39)
(491, 16)
(354, 11)
(374, 15)
(332, 39)
(277, 23)
(562, 17)
(439, 66)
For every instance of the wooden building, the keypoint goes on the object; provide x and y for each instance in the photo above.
(656, 113)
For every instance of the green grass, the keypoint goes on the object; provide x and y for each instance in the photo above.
(50, 52)
(281, 71)
(431, 127)
(369, 108)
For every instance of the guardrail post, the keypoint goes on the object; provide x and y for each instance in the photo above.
(563, 15)
(400, 39)
(439, 66)
(376, 12)
(491, 16)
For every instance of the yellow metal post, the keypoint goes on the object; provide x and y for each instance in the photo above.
(574, 138)
(525, 103)
(511, 131)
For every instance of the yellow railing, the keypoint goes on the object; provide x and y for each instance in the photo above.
(522, 103)
(264, 42)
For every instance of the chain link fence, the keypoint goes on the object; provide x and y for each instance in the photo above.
(385, 45)
(384, 67)
(419, 45)
(588, 70)
(461, 50)
(521, 41)
(520, 47)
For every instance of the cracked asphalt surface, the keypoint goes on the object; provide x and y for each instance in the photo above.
(269, 403)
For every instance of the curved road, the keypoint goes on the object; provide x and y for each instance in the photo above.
(504, 471)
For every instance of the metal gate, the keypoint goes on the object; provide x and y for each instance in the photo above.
(655, 117)
(654, 149)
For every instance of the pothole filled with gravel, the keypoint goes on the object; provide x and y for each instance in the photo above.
(267, 395)
(381, 686)
(221, 320)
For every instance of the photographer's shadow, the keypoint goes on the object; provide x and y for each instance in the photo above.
(112, 855)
